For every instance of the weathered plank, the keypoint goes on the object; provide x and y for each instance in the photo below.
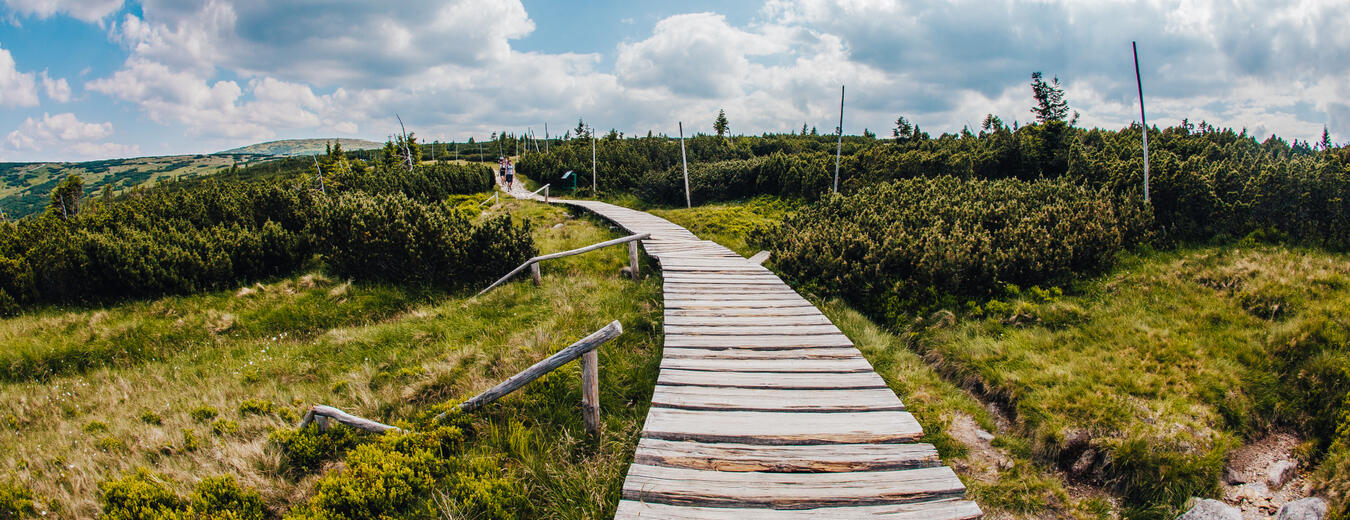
(827, 458)
(778, 428)
(680, 486)
(743, 312)
(946, 509)
(762, 380)
(749, 330)
(749, 321)
(781, 366)
(775, 400)
(782, 353)
(544, 366)
(763, 340)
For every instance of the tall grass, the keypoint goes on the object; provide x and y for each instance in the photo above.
(258, 355)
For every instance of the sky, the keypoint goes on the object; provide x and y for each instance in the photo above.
(94, 79)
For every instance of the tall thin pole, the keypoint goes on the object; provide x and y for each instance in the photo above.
(1142, 120)
(839, 148)
(594, 174)
(406, 151)
(685, 160)
(545, 136)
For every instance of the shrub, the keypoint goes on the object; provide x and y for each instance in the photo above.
(917, 244)
(395, 238)
(307, 448)
(16, 501)
(139, 495)
(203, 413)
(256, 407)
(224, 427)
(221, 498)
(150, 417)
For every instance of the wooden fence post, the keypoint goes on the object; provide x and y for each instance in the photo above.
(590, 391)
(633, 259)
(534, 274)
(573, 351)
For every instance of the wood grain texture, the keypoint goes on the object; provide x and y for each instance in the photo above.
(763, 408)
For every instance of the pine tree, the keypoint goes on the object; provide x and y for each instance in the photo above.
(66, 197)
(903, 130)
(1326, 138)
(1050, 104)
(803, 128)
(720, 124)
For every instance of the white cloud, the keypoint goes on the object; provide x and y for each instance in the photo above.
(87, 10)
(699, 55)
(66, 135)
(57, 89)
(17, 89)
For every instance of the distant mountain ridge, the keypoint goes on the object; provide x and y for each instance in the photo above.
(301, 146)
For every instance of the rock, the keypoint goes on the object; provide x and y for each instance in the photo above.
(1210, 509)
(1311, 508)
(984, 435)
(1279, 473)
(1253, 493)
(558, 225)
(1233, 476)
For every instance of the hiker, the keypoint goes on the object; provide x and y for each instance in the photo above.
(510, 172)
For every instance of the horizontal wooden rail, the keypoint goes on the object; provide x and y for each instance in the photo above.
(550, 256)
(321, 414)
(583, 346)
(489, 199)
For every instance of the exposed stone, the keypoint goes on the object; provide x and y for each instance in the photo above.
(1279, 473)
(1233, 477)
(1311, 508)
(1210, 509)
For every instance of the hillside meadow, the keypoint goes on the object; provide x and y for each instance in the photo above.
(232, 371)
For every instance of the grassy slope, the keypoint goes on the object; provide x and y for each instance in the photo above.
(377, 351)
(302, 146)
(1157, 368)
(1002, 478)
(25, 188)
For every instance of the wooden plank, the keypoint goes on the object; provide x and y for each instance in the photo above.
(947, 509)
(779, 353)
(749, 321)
(775, 400)
(739, 297)
(779, 341)
(747, 330)
(827, 366)
(830, 458)
(544, 366)
(741, 304)
(778, 428)
(743, 312)
(763, 380)
(692, 487)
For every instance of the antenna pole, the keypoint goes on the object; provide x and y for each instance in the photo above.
(685, 160)
(1142, 120)
(839, 148)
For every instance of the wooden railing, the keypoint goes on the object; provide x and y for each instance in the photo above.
(543, 189)
(590, 386)
(492, 199)
(590, 375)
(533, 263)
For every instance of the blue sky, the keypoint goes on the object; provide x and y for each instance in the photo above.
(88, 79)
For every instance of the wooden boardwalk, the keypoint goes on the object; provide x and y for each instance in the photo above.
(763, 408)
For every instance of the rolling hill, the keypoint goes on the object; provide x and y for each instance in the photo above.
(301, 146)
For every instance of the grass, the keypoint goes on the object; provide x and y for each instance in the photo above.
(1144, 379)
(730, 223)
(206, 407)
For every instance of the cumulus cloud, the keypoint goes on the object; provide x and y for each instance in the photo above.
(17, 89)
(698, 55)
(87, 10)
(57, 89)
(65, 134)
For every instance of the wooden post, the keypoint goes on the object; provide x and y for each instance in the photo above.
(537, 370)
(685, 160)
(534, 274)
(545, 136)
(1142, 120)
(595, 181)
(320, 415)
(546, 193)
(590, 391)
(633, 259)
(561, 254)
(838, 150)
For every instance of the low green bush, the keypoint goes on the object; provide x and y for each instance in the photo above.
(309, 447)
(16, 501)
(919, 244)
(142, 495)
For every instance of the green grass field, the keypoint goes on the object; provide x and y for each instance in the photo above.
(212, 375)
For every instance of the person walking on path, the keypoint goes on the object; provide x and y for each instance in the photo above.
(510, 172)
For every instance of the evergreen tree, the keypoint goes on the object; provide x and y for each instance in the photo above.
(903, 131)
(720, 124)
(803, 128)
(1050, 104)
(1326, 138)
(66, 196)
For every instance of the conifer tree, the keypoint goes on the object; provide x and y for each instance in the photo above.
(1050, 104)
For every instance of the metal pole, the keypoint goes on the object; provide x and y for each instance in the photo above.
(839, 148)
(545, 136)
(1142, 120)
(594, 182)
(685, 160)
